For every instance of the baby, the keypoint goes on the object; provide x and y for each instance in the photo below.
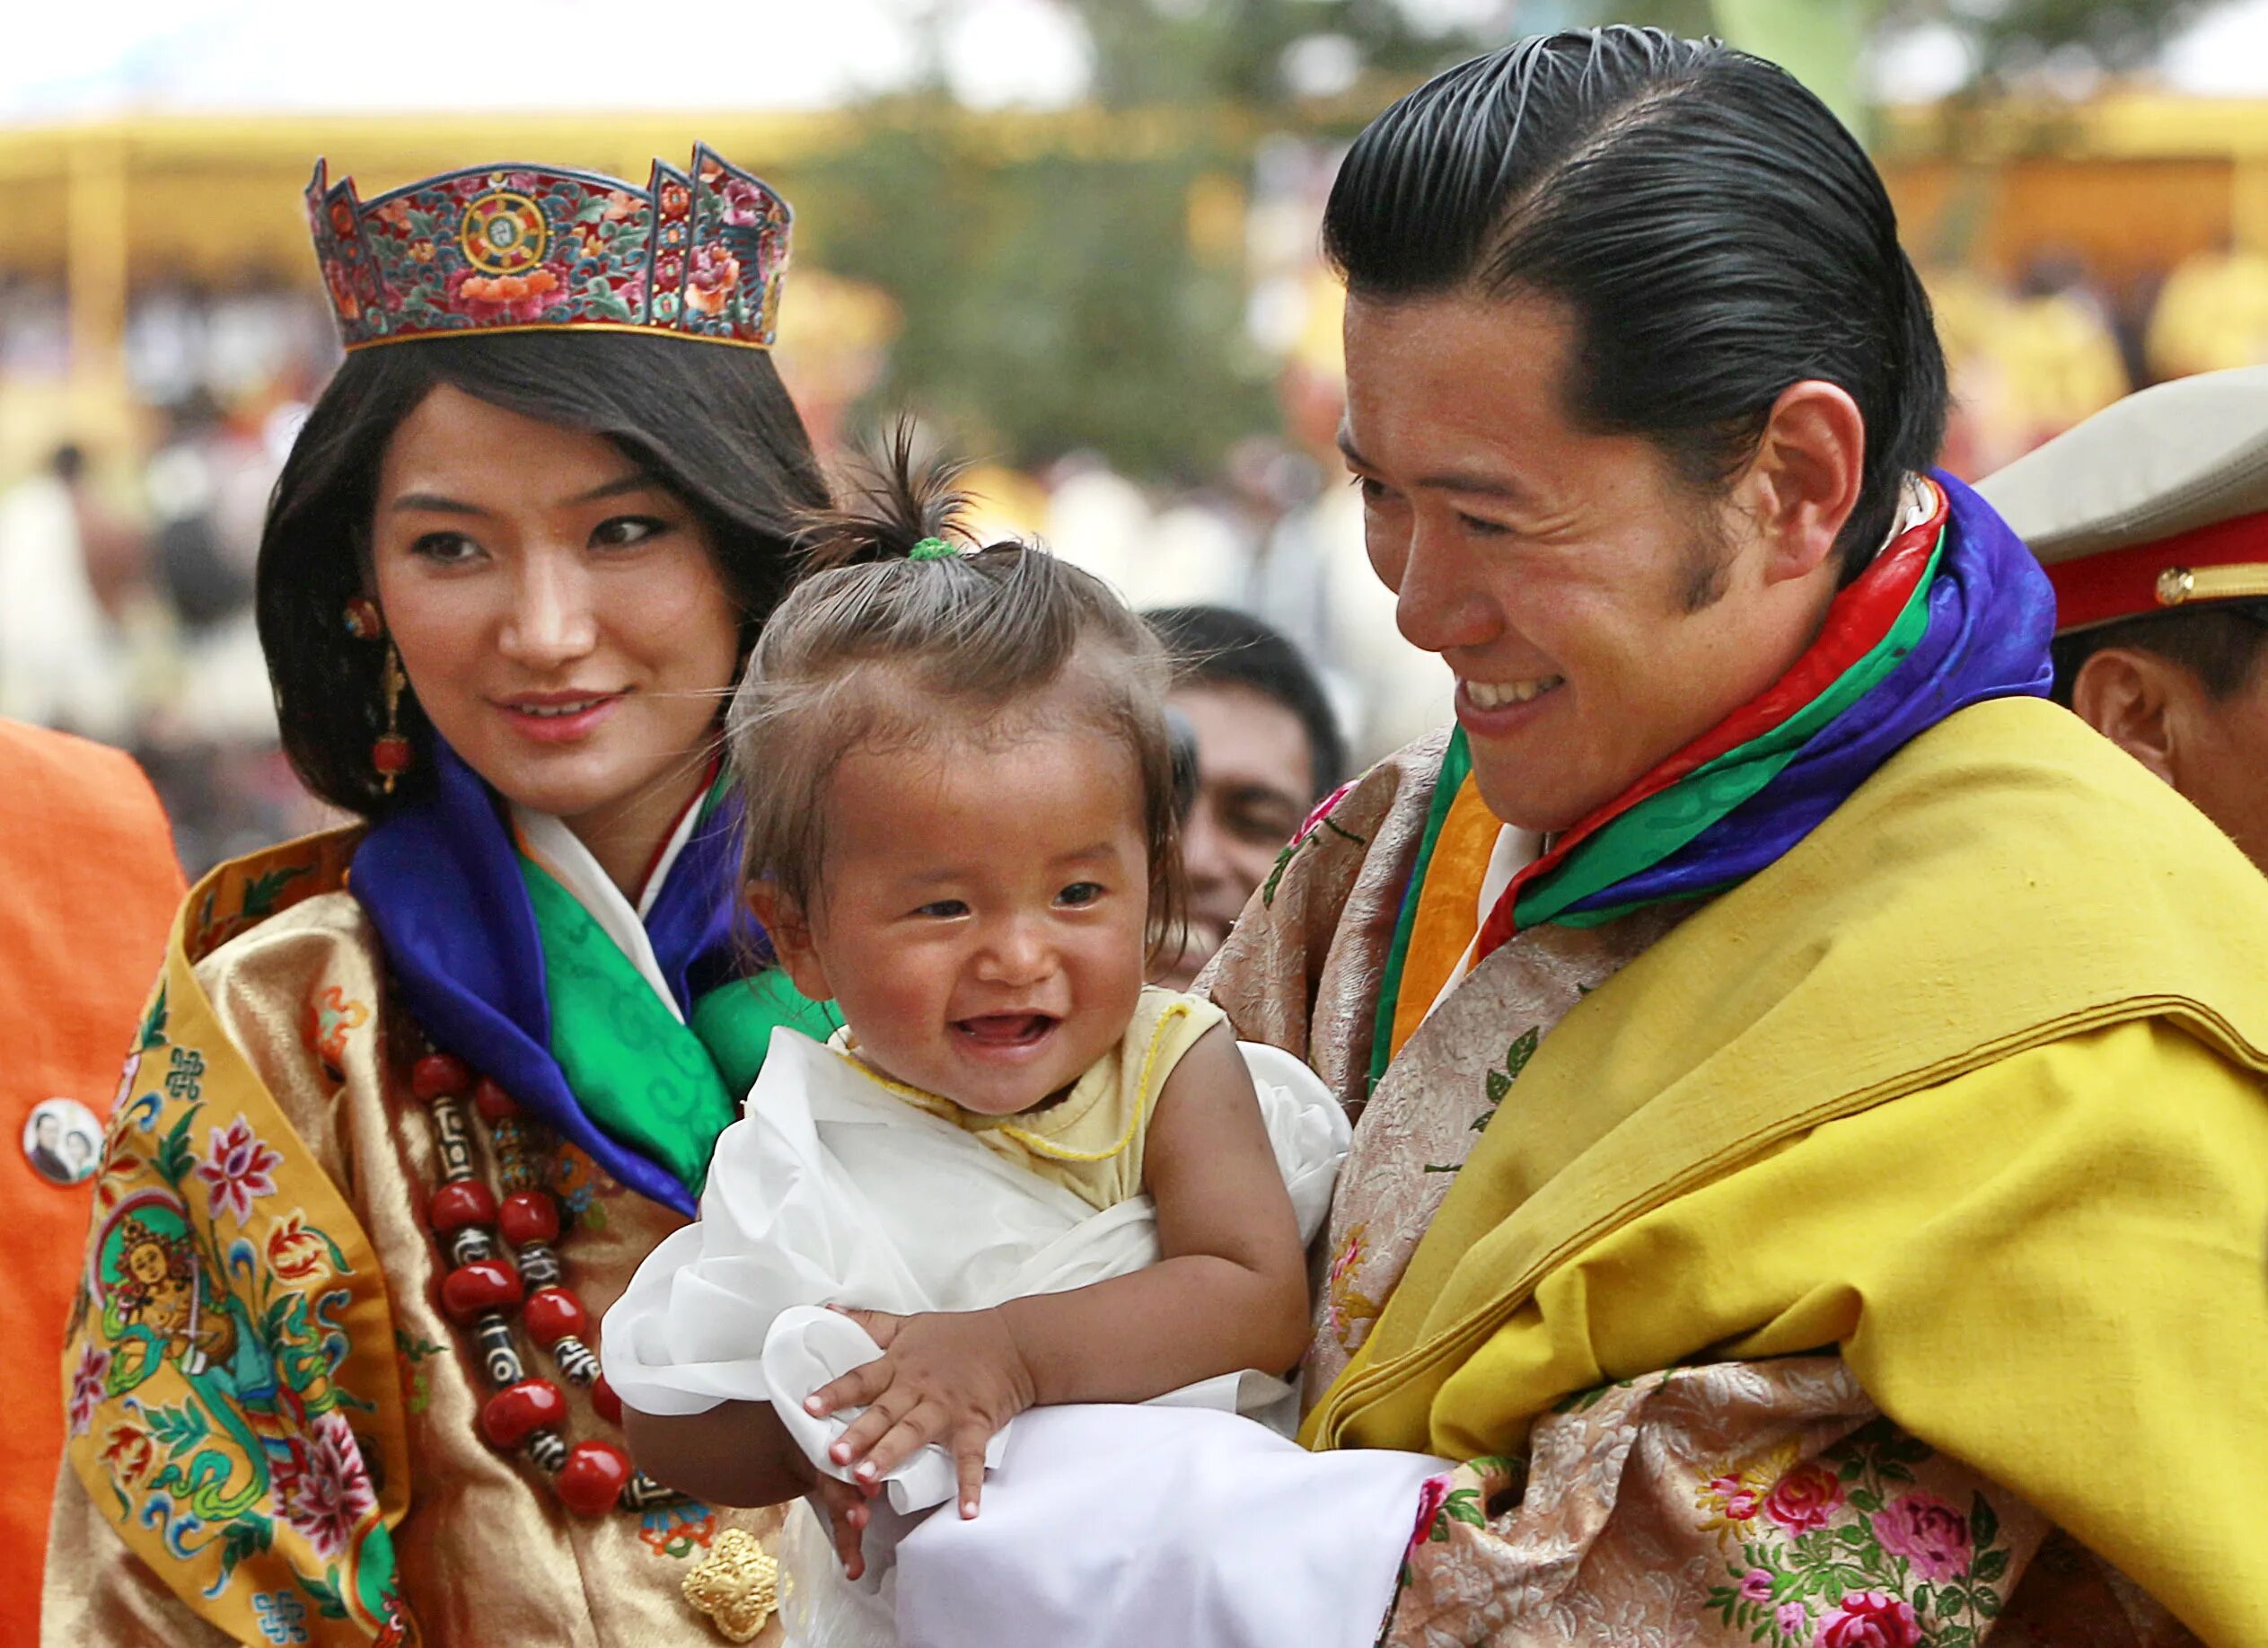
(1021, 1176)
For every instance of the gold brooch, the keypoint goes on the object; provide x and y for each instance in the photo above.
(736, 1585)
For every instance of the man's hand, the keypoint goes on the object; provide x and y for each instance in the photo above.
(948, 1377)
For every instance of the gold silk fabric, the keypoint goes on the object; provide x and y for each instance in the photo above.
(309, 1165)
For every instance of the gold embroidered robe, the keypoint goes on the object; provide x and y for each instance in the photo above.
(273, 1426)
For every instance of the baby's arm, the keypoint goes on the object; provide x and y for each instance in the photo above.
(1230, 1293)
(738, 1453)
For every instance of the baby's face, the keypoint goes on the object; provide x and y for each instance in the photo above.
(984, 910)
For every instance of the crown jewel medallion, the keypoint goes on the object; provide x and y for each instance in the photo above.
(699, 253)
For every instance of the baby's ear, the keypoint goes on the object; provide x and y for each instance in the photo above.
(785, 924)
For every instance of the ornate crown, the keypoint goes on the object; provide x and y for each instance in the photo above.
(525, 248)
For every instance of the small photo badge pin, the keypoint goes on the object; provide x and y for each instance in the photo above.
(63, 1141)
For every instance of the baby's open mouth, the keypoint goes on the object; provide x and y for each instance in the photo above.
(1005, 1029)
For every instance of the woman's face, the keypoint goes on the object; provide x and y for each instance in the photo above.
(560, 616)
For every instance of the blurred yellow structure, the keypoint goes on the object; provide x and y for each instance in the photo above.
(2132, 184)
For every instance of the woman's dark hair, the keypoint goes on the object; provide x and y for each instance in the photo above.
(710, 421)
(1218, 645)
(1718, 234)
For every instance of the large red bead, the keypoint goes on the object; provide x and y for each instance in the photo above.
(493, 1102)
(437, 1075)
(593, 1478)
(468, 1201)
(604, 1399)
(485, 1285)
(553, 1314)
(391, 755)
(529, 1216)
(507, 1417)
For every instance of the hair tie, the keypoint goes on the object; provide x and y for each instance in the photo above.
(932, 549)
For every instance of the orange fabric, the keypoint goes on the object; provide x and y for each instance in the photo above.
(88, 886)
(1448, 907)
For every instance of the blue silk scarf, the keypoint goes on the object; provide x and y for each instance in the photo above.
(444, 884)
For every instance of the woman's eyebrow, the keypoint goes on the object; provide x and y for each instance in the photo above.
(434, 503)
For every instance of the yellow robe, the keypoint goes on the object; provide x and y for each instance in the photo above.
(1968, 1085)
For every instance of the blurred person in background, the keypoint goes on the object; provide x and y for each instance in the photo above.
(90, 884)
(58, 654)
(386, 1150)
(1268, 750)
(2152, 520)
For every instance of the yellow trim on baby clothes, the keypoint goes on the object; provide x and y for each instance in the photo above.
(1164, 1027)
(1031, 1141)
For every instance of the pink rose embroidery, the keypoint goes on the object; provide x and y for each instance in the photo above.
(712, 279)
(1804, 1499)
(1433, 1493)
(1734, 1497)
(236, 1170)
(1792, 1620)
(1757, 1586)
(1870, 1619)
(1928, 1533)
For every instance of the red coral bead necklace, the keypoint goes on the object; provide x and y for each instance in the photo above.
(483, 1287)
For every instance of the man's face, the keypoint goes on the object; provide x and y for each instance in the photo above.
(1255, 782)
(1598, 611)
(2220, 758)
(45, 1131)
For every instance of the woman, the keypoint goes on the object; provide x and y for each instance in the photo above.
(413, 1097)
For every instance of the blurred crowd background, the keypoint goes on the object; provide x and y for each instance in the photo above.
(1077, 237)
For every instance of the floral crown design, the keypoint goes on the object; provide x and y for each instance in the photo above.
(694, 255)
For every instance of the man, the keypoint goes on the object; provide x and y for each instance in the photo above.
(1268, 749)
(1812, 1159)
(2151, 518)
(90, 885)
(47, 1149)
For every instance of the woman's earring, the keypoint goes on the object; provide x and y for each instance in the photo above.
(391, 754)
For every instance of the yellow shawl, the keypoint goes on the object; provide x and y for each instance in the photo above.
(2046, 1260)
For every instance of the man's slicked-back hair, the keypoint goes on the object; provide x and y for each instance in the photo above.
(1716, 233)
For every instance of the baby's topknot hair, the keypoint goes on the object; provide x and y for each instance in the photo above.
(890, 507)
(884, 639)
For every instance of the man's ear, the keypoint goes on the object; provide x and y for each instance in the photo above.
(789, 931)
(2132, 697)
(1802, 483)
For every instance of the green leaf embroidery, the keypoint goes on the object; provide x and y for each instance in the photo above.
(1985, 1527)
(248, 1536)
(153, 1021)
(179, 1429)
(261, 892)
(1989, 1567)
(174, 1157)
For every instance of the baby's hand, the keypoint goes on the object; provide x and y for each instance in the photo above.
(845, 1508)
(948, 1377)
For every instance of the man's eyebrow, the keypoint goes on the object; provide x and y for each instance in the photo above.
(1470, 482)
